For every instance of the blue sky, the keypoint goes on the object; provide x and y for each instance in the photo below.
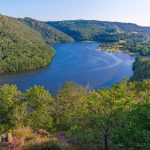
(135, 11)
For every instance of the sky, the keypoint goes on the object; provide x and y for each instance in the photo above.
(134, 11)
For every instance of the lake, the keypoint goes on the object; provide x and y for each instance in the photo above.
(80, 62)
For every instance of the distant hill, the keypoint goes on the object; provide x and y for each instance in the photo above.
(98, 30)
(50, 34)
(130, 27)
(21, 48)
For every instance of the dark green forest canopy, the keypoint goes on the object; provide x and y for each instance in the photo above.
(134, 43)
(141, 68)
(98, 30)
(50, 34)
(82, 30)
(21, 48)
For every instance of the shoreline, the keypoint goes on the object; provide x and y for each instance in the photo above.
(115, 50)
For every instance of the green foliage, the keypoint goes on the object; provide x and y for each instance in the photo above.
(50, 34)
(82, 30)
(30, 109)
(136, 46)
(134, 130)
(67, 100)
(21, 48)
(105, 118)
(135, 43)
(39, 108)
(115, 118)
(101, 31)
(141, 68)
(10, 101)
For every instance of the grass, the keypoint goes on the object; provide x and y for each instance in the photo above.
(27, 139)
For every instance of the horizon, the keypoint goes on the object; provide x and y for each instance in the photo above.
(100, 10)
(79, 19)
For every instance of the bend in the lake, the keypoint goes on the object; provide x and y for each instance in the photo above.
(80, 62)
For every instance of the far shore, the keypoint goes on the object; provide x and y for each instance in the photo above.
(115, 50)
(88, 41)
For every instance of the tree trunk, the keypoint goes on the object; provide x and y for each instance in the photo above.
(106, 142)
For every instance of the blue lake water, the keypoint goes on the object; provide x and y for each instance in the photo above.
(80, 62)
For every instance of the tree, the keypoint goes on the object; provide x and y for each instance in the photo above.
(39, 108)
(9, 98)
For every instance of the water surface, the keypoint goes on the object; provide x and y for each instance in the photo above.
(80, 62)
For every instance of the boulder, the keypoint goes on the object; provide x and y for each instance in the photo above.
(43, 133)
(9, 138)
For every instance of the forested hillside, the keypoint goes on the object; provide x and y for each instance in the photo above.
(21, 48)
(98, 30)
(130, 27)
(50, 34)
(141, 68)
(77, 118)
(82, 30)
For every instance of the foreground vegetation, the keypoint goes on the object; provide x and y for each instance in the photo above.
(115, 118)
(21, 48)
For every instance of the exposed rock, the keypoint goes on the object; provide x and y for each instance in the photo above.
(9, 138)
(43, 133)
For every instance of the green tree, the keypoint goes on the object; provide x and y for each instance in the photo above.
(39, 108)
(66, 101)
(9, 98)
